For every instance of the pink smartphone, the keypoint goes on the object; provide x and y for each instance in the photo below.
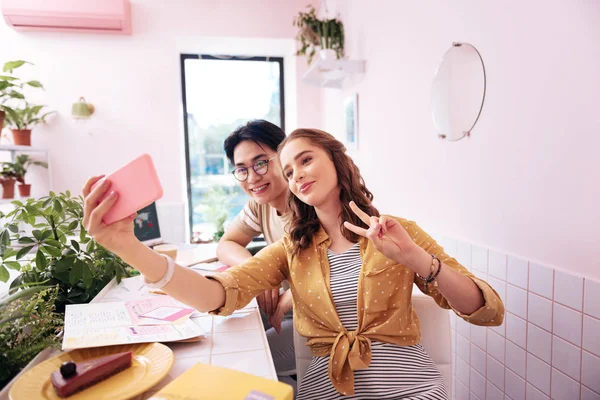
(137, 185)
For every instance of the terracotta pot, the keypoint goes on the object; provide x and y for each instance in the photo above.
(8, 188)
(25, 189)
(22, 137)
(2, 116)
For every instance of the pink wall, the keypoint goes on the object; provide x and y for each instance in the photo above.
(134, 81)
(527, 181)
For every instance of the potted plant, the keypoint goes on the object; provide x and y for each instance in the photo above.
(327, 34)
(45, 240)
(28, 325)
(22, 120)
(8, 178)
(20, 167)
(11, 87)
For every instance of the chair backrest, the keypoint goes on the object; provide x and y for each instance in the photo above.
(436, 338)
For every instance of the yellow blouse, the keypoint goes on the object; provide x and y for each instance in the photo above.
(385, 311)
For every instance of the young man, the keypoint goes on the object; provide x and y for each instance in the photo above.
(252, 149)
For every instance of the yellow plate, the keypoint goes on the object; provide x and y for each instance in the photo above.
(151, 363)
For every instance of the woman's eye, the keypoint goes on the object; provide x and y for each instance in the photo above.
(288, 174)
(306, 160)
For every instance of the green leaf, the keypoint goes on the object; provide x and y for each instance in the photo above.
(15, 265)
(8, 253)
(46, 234)
(64, 264)
(37, 234)
(58, 208)
(75, 274)
(73, 225)
(9, 66)
(87, 276)
(4, 275)
(26, 239)
(8, 78)
(40, 260)
(13, 228)
(90, 246)
(35, 84)
(4, 238)
(75, 245)
(23, 252)
(52, 251)
(53, 243)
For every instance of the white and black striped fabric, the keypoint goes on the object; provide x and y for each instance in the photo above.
(396, 372)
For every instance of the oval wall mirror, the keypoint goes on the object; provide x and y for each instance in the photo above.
(458, 92)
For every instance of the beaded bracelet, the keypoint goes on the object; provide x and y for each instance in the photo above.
(433, 274)
(166, 277)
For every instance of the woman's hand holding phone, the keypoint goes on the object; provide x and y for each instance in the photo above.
(114, 237)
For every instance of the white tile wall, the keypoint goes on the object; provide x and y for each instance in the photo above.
(516, 301)
(479, 259)
(568, 290)
(591, 304)
(566, 357)
(515, 386)
(539, 343)
(591, 339)
(540, 311)
(549, 345)
(567, 324)
(563, 387)
(541, 280)
(517, 272)
(497, 265)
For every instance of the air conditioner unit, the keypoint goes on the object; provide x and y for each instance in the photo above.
(98, 16)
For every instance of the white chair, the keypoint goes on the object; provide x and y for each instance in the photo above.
(436, 338)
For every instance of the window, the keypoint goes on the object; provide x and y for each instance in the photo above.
(220, 94)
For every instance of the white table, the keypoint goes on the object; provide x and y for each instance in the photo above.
(238, 342)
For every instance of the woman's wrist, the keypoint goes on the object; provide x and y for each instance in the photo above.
(420, 261)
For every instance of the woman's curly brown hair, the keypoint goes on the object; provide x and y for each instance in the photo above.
(304, 223)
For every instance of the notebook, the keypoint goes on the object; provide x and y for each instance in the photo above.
(209, 382)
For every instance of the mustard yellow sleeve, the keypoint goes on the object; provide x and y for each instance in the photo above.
(266, 270)
(490, 314)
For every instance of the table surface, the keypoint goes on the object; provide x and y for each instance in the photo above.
(237, 342)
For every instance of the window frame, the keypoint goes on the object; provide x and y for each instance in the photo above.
(182, 59)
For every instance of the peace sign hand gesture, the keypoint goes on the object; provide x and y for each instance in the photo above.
(388, 236)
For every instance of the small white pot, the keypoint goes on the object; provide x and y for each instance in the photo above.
(327, 54)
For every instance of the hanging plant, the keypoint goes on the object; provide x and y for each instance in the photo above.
(314, 32)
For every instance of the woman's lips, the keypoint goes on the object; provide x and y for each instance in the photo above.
(306, 187)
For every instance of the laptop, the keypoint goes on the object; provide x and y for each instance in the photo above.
(146, 228)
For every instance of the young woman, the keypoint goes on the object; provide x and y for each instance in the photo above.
(350, 270)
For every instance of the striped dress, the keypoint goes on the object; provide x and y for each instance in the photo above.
(396, 372)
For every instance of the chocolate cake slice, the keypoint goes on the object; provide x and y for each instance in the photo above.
(73, 377)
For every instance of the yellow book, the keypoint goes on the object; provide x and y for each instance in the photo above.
(208, 382)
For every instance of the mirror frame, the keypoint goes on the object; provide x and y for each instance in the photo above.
(466, 133)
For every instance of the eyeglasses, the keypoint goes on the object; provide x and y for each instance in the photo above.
(260, 167)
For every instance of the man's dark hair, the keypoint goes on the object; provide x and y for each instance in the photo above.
(259, 131)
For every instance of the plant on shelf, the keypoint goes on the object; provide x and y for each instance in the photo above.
(44, 239)
(20, 167)
(22, 120)
(8, 178)
(13, 113)
(28, 324)
(327, 34)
